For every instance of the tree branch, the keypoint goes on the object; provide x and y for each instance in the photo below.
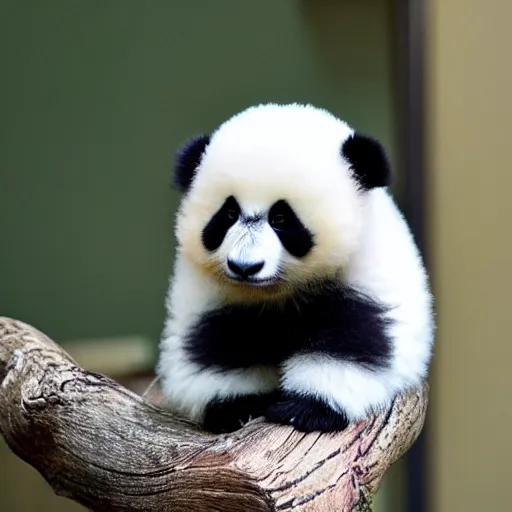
(103, 446)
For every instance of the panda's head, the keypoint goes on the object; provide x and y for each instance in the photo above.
(274, 200)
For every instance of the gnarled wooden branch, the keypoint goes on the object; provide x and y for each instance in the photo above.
(103, 446)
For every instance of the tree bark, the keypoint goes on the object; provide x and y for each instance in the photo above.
(105, 447)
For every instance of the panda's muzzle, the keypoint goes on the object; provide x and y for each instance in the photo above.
(251, 255)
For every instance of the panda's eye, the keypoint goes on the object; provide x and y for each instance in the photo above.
(278, 220)
(232, 214)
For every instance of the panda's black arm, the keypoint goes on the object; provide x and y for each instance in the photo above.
(103, 446)
(338, 326)
(334, 322)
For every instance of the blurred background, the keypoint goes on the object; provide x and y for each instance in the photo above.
(95, 97)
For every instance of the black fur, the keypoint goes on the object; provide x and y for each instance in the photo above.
(294, 236)
(230, 414)
(215, 231)
(239, 337)
(187, 158)
(332, 320)
(306, 413)
(368, 161)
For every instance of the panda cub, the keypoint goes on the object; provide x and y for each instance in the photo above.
(298, 292)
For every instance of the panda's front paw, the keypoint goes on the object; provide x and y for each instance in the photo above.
(306, 413)
(231, 413)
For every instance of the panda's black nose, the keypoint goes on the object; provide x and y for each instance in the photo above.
(245, 268)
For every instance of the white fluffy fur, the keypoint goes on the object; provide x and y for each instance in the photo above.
(292, 152)
(187, 387)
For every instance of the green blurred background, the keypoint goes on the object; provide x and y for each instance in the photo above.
(96, 95)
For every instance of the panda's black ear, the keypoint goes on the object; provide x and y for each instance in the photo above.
(368, 161)
(187, 158)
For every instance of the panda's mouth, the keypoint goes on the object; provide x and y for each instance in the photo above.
(254, 281)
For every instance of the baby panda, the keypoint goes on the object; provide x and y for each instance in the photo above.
(298, 292)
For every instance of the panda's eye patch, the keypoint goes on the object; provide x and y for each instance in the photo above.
(294, 236)
(216, 229)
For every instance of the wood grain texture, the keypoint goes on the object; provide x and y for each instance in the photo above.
(105, 447)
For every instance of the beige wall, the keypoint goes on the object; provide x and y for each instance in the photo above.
(470, 111)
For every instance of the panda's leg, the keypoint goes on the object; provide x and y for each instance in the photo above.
(322, 393)
(222, 400)
(230, 413)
